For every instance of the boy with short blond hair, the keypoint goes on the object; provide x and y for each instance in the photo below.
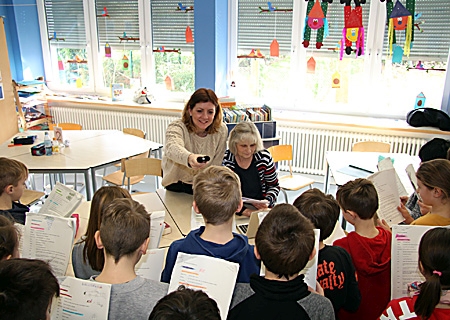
(13, 175)
(369, 247)
(285, 243)
(217, 196)
(335, 270)
(124, 237)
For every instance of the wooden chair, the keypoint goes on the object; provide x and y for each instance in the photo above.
(66, 126)
(371, 146)
(288, 182)
(139, 167)
(30, 197)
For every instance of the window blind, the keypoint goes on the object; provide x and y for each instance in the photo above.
(257, 30)
(123, 17)
(169, 24)
(66, 19)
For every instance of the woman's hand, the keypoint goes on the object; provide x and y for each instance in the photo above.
(194, 164)
(263, 204)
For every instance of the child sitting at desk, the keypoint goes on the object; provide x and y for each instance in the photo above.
(335, 270)
(368, 246)
(13, 175)
(285, 244)
(124, 237)
(217, 196)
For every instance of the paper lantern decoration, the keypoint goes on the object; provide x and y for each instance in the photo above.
(274, 48)
(125, 62)
(353, 31)
(316, 20)
(188, 34)
(79, 83)
(420, 101)
(169, 83)
(311, 65)
(400, 19)
(107, 50)
(336, 80)
(60, 64)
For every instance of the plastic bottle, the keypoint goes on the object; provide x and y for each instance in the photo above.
(55, 146)
(47, 144)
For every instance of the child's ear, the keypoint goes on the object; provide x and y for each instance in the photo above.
(98, 240)
(194, 205)
(9, 189)
(352, 214)
(312, 255)
(256, 253)
(437, 192)
(144, 246)
(239, 208)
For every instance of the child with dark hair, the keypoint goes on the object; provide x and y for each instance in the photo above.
(13, 175)
(430, 299)
(124, 237)
(186, 304)
(285, 243)
(217, 196)
(335, 270)
(27, 288)
(368, 246)
(9, 239)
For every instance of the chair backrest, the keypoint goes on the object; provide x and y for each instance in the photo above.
(371, 146)
(142, 166)
(66, 126)
(281, 152)
(135, 132)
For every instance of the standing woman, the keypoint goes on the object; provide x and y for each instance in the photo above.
(194, 142)
(253, 164)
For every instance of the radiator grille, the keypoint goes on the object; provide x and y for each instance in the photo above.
(309, 145)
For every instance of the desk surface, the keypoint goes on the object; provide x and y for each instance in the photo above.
(338, 160)
(179, 206)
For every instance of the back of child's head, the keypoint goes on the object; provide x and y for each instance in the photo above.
(285, 240)
(359, 196)
(11, 172)
(436, 148)
(9, 239)
(217, 194)
(101, 199)
(124, 228)
(321, 209)
(26, 289)
(185, 304)
(434, 264)
(435, 174)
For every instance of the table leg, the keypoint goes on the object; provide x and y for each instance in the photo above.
(326, 183)
(88, 185)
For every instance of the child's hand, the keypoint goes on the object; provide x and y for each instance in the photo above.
(424, 208)
(404, 199)
(319, 289)
(383, 224)
(405, 213)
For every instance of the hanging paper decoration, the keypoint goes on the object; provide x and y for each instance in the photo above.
(259, 54)
(105, 12)
(311, 65)
(60, 64)
(79, 83)
(188, 33)
(274, 48)
(397, 54)
(420, 101)
(107, 50)
(336, 80)
(169, 83)
(400, 19)
(125, 62)
(353, 30)
(316, 19)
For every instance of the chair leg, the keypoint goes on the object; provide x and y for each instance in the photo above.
(285, 195)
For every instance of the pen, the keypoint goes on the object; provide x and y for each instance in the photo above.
(13, 145)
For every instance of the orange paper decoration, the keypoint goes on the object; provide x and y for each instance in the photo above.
(311, 65)
(274, 48)
(169, 83)
(336, 80)
(189, 38)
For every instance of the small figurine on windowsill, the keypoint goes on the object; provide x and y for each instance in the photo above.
(142, 96)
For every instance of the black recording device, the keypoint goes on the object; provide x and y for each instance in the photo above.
(203, 159)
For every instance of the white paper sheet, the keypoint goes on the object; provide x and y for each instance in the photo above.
(81, 299)
(310, 271)
(386, 164)
(196, 220)
(388, 197)
(62, 201)
(216, 277)
(156, 228)
(49, 238)
(405, 257)
(151, 264)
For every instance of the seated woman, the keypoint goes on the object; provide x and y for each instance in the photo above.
(194, 142)
(253, 164)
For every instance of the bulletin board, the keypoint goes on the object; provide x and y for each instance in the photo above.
(8, 114)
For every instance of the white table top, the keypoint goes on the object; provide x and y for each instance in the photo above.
(338, 160)
(179, 206)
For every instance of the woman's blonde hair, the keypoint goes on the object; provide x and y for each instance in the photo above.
(202, 95)
(244, 132)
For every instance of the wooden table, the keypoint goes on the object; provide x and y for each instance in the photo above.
(89, 151)
(179, 206)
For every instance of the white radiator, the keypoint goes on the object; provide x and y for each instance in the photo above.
(91, 119)
(309, 144)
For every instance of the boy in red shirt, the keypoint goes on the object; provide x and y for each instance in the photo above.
(368, 246)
